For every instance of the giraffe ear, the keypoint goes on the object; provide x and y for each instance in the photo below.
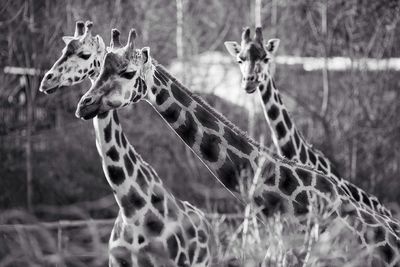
(67, 39)
(146, 54)
(272, 45)
(233, 48)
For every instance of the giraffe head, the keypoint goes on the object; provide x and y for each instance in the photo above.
(80, 58)
(253, 57)
(120, 81)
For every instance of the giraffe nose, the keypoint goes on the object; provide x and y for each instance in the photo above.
(49, 76)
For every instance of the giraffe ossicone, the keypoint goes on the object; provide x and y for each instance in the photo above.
(152, 226)
(226, 150)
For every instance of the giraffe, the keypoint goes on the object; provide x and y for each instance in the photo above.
(152, 227)
(254, 60)
(225, 150)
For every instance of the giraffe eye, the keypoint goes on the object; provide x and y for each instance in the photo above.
(239, 61)
(84, 56)
(128, 74)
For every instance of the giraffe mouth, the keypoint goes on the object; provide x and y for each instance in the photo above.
(89, 111)
(49, 90)
(250, 90)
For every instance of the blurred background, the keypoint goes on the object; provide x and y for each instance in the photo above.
(337, 67)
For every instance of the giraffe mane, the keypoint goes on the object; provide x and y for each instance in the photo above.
(207, 107)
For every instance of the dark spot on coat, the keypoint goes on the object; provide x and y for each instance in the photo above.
(156, 81)
(161, 77)
(288, 150)
(280, 130)
(296, 138)
(132, 156)
(228, 175)
(207, 121)
(305, 176)
(312, 157)
(117, 175)
(171, 114)
(238, 141)
(115, 116)
(135, 98)
(188, 130)
(113, 154)
(128, 164)
(209, 147)
(202, 255)
(202, 236)
(354, 192)
(117, 140)
(138, 84)
(153, 224)
(162, 96)
(387, 253)
(276, 97)
(157, 200)
(288, 183)
(323, 184)
(107, 132)
(132, 202)
(323, 162)
(267, 94)
(182, 260)
(180, 96)
(172, 244)
(303, 155)
(301, 203)
(365, 199)
(273, 112)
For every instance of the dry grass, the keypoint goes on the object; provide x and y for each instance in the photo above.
(243, 240)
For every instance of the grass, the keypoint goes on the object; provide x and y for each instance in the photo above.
(243, 240)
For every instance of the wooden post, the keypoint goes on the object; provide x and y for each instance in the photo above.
(24, 73)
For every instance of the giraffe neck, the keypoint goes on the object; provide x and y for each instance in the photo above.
(292, 145)
(133, 181)
(221, 146)
(290, 141)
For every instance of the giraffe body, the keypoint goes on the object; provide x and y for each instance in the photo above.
(152, 228)
(225, 150)
(254, 59)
